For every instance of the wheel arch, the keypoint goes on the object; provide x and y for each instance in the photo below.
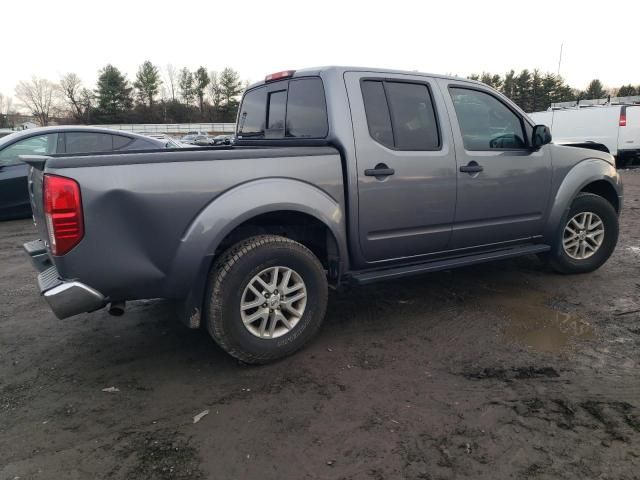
(277, 206)
(604, 189)
(591, 176)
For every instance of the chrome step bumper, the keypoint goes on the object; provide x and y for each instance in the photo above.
(65, 298)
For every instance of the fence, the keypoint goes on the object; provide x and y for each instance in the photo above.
(173, 128)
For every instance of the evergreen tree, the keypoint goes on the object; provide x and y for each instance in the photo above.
(628, 91)
(537, 92)
(201, 81)
(564, 93)
(531, 91)
(113, 94)
(147, 83)
(523, 90)
(186, 83)
(231, 85)
(509, 84)
(492, 80)
(549, 90)
(594, 91)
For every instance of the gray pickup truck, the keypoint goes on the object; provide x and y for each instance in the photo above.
(338, 175)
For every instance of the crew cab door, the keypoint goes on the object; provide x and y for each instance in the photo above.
(405, 165)
(503, 185)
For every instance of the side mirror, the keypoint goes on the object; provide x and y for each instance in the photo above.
(541, 136)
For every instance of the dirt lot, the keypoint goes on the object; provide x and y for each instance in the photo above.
(498, 371)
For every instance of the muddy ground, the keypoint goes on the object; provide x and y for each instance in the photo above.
(498, 371)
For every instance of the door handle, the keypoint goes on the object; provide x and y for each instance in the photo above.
(472, 167)
(381, 170)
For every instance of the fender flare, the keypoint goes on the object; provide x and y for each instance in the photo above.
(582, 174)
(222, 215)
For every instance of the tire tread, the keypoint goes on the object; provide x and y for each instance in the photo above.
(221, 269)
(556, 259)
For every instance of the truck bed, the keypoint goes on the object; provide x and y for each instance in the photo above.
(147, 212)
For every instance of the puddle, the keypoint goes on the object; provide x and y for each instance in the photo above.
(536, 325)
(634, 250)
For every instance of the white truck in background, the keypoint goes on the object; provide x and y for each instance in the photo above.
(615, 126)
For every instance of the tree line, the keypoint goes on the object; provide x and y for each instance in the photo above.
(172, 96)
(535, 91)
(183, 96)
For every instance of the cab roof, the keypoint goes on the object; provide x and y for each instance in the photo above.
(339, 70)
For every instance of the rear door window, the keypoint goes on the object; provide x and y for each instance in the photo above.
(412, 116)
(293, 108)
(88, 142)
(120, 141)
(401, 115)
(307, 109)
(377, 111)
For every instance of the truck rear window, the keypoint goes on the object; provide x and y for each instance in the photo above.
(293, 108)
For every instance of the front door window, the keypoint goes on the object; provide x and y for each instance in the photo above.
(40, 145)
(485, 122)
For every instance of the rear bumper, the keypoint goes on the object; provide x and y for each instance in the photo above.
(65, 297)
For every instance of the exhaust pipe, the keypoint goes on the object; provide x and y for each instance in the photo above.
(116, 309)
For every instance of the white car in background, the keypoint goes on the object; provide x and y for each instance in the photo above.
(170, 141)
(615, 126)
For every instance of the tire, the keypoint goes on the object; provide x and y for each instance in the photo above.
(567, 260)
(229, 292)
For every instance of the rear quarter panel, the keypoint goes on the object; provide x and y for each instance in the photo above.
(139, 218)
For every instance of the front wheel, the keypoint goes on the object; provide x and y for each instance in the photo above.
(587, 236)
(267, 297)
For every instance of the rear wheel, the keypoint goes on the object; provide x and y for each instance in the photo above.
(267, 297)
(587, 236)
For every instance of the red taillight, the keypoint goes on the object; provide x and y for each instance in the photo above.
(279, 75)
(63, 213)
(623, 117)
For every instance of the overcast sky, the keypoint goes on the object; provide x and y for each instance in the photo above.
(51, 37)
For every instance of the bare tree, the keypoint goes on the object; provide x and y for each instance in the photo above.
(172, 80)
(72, 91)
(214, 89)
(37, 95)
